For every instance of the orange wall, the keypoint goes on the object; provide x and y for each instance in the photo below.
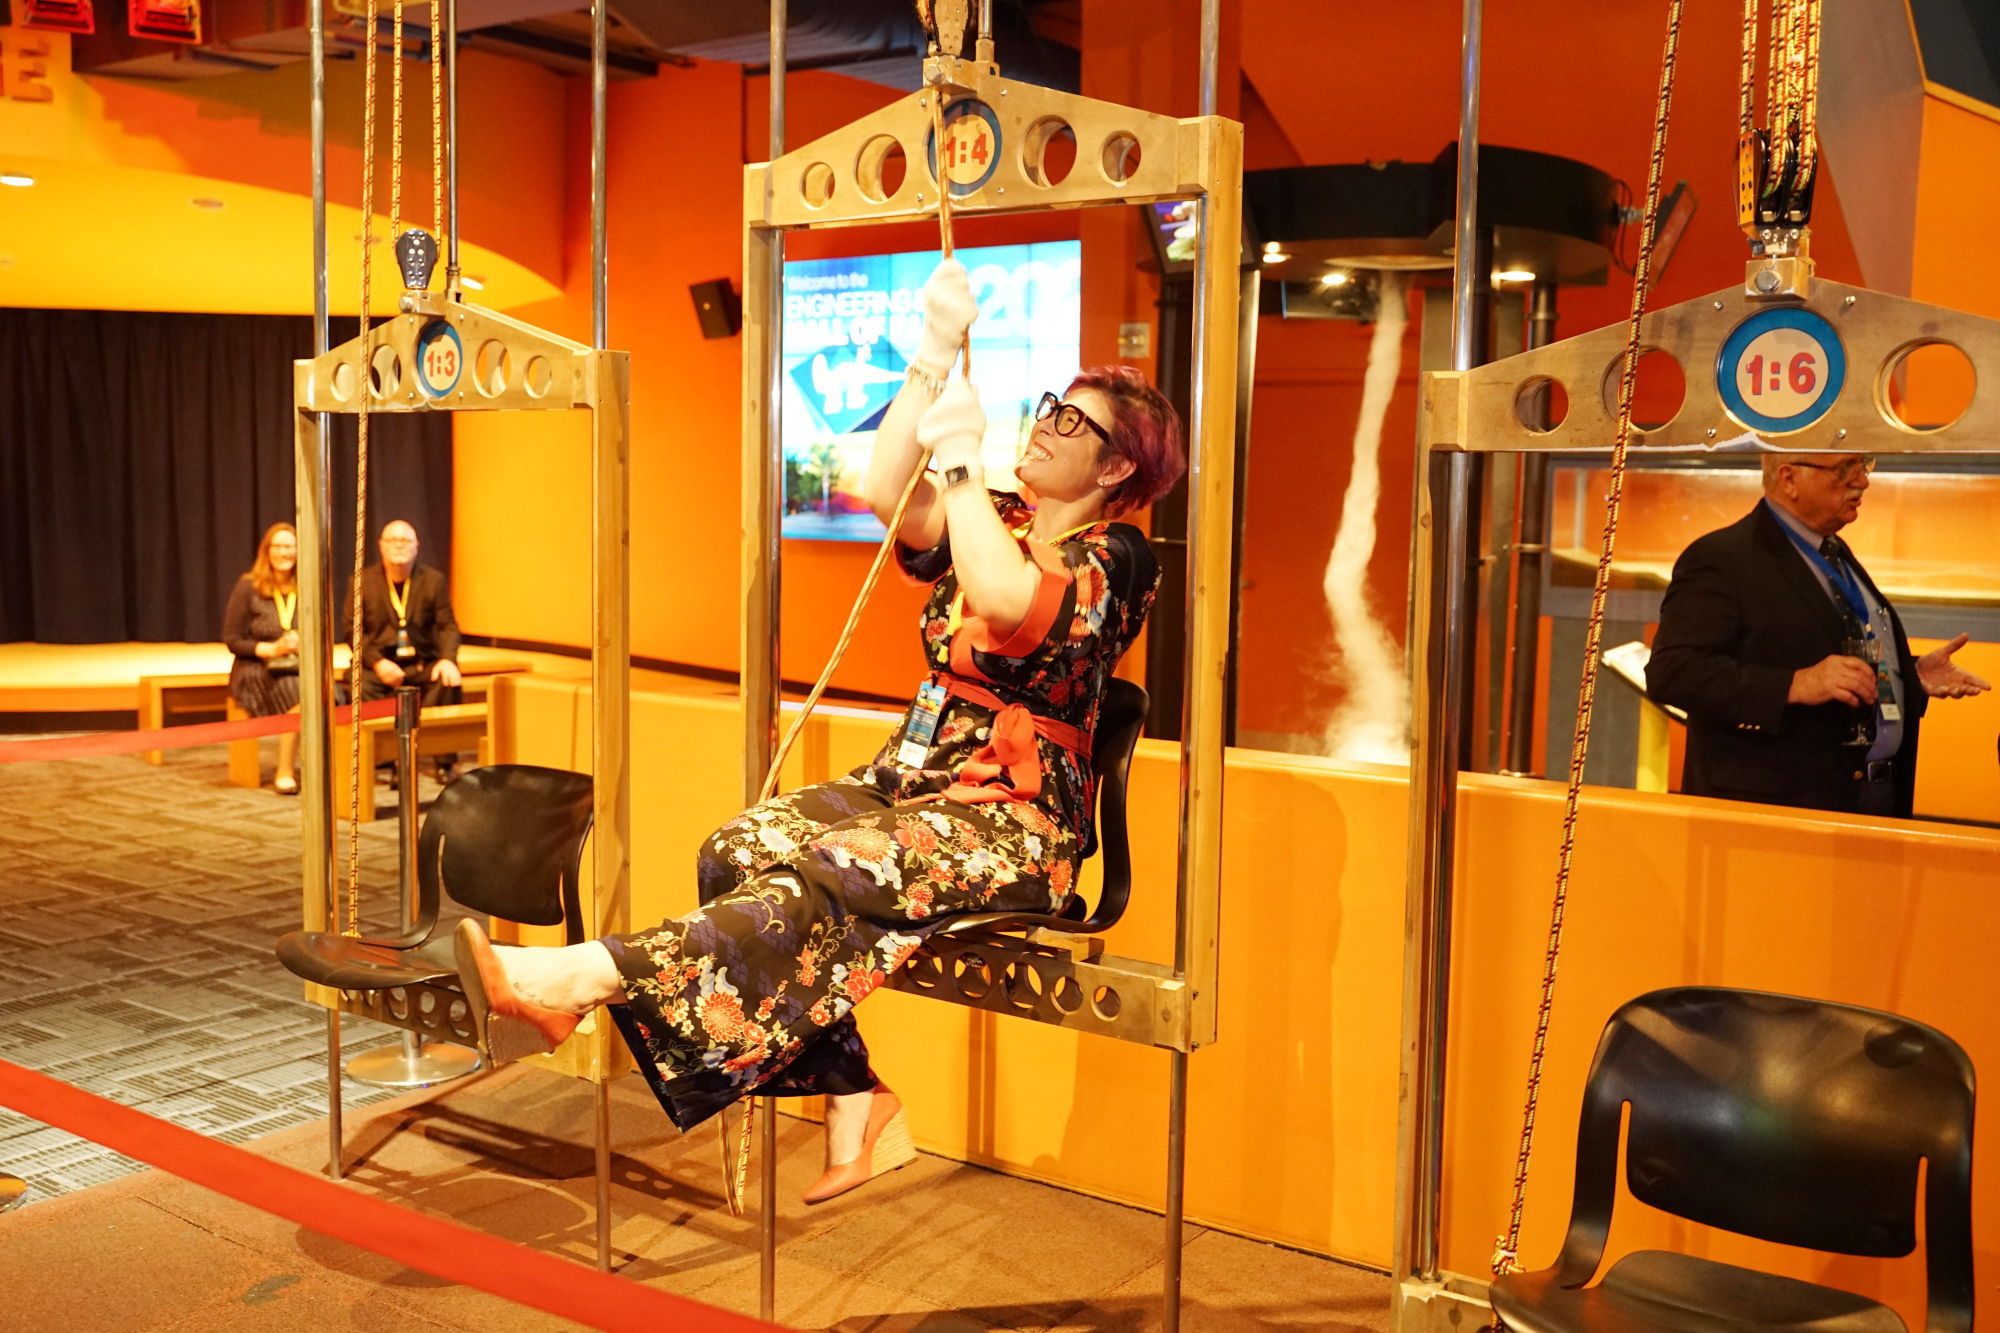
(1336, 100)
(674, 201)
(252, 129)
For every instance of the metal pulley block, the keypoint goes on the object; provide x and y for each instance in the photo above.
(416, 256)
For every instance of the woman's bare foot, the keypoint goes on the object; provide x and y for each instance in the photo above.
(847, 1125)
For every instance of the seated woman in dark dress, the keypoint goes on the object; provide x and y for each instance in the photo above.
(979, 801)
(257, 626)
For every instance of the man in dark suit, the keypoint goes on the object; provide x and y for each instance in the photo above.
(408, 632)
(1765, 637)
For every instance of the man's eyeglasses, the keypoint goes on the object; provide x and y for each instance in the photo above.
(1846, 473)
(1069, 418)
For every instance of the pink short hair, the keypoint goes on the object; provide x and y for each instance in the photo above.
(1145, 430)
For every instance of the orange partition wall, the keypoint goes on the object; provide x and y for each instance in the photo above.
(217, 174)
(1292, 1113)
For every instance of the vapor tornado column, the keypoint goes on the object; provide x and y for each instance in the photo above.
(1372, 721)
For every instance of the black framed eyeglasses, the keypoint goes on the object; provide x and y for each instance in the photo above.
(1842, 472)
(1069, 418)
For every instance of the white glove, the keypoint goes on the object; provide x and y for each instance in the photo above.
(949, 309)
(953, 427)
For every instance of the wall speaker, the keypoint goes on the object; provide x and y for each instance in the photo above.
(718, 307)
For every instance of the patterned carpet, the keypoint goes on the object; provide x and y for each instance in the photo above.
(138, 906)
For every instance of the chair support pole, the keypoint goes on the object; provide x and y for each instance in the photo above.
(767, 1225)
(334, 1166)
(1176, 1183)
(604, 1177)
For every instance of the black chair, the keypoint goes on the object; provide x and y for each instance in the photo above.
(506, 840)
(1790, 1120)
(1119, 721)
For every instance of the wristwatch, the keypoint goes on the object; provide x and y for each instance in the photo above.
(956, 475)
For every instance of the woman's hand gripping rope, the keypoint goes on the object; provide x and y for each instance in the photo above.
(949, 309)
(951, 431)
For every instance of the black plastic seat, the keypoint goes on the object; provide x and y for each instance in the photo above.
(1790, 1120)
(506, 840)
(1119, 722)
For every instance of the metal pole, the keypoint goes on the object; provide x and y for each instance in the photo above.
(311, 474)
(770, 666)
(599, 313)
(451, 142)
(1473, 742)
(603, 1170)
(1531, 554)
(1177, 1076)
(1197, 538)
(1438, 683)
(600, 319)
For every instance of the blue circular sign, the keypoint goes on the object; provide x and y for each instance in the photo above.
(971, 145)
(440, 358)
(1781, 370)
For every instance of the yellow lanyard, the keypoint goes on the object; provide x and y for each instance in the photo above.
(400, 603)
(957, 614)
(286, 605)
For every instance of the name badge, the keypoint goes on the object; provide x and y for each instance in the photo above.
(924, 715)
(1891, 712)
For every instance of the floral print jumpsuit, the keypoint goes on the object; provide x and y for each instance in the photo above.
(812, 898)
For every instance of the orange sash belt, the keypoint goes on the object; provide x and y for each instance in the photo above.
(1009, 768)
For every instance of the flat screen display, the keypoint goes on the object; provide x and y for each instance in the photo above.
(851, 326)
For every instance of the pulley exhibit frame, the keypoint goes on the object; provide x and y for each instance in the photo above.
(443, 355)
(1124, 156)
(1834, 400)
(1847, 339)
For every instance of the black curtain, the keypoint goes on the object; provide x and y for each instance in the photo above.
(143, 455)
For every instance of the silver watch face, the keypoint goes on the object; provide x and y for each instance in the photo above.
(958, 475)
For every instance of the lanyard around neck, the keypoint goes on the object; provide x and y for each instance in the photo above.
(400, 600)
(1848, 584)
(286, 603)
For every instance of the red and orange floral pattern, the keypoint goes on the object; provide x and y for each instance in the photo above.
(812, 899)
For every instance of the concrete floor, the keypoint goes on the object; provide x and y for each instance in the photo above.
(936, 1246)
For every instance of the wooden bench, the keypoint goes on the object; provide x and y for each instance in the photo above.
(163, 699)
(446, 729)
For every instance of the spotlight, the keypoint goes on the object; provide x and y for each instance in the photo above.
(471, 283)
(1273, 257)
(1514, 275)
(17, 180)
(1272, 247)
(1337, 278)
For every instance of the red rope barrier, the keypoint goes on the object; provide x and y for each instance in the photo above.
(174, 738)
(443, 1249)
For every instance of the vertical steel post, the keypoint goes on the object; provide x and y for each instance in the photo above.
(763, 671)
(1531, 554)
(1437, 658)
(451, 141)
(610, 669)
(311, 473)
(1201, 696)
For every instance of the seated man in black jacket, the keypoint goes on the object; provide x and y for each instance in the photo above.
(1766, 635)
(408, 632)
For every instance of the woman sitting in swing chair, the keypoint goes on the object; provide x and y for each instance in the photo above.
(979, 802)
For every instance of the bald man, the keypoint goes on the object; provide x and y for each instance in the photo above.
(408, 633)
(1765, 637)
